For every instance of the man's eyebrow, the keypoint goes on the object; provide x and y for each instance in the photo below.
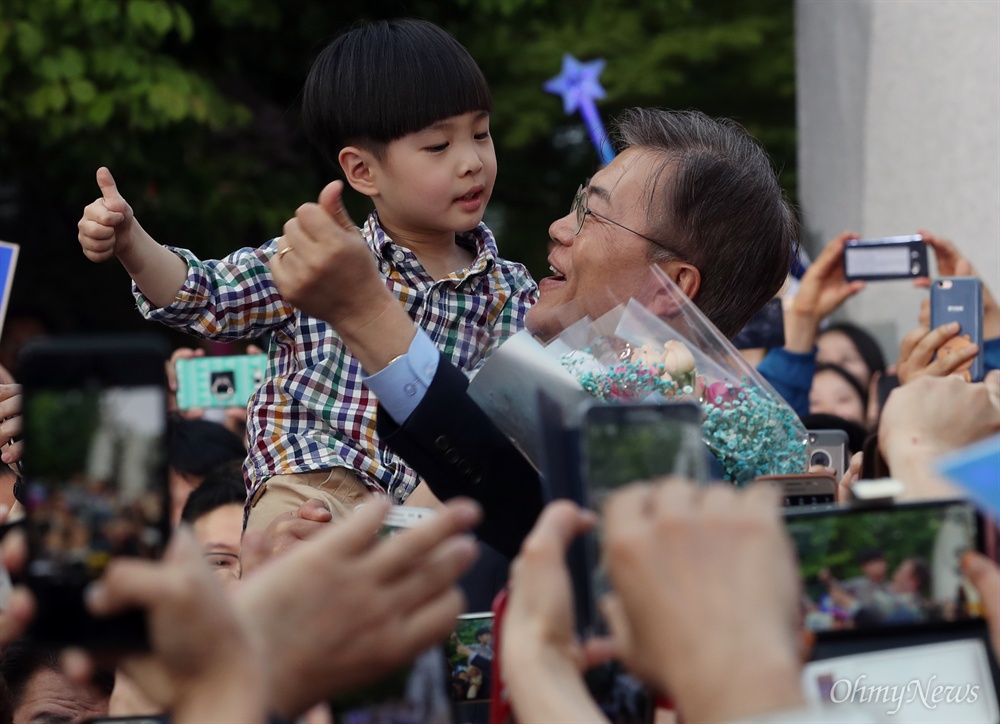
(600, 192)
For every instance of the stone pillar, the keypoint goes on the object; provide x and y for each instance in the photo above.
(899, 129)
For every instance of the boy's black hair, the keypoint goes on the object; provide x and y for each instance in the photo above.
(220, 487)
(384, 80)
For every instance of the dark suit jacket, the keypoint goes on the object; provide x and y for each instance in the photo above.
(458, 450)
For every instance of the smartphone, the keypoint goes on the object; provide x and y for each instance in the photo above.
(401, 517)
(207, 382)
(621, 444)
(896, 624)
(886, 566)
(829, 448)
(765, 330)
(469, 654)
(885, 258)
(95, 477)
(960, 299)
(805, 489)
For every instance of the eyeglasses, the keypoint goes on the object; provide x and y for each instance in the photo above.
(581, 206)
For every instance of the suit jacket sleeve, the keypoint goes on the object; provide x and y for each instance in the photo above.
(457, 449)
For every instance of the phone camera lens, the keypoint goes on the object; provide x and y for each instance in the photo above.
(821, 457)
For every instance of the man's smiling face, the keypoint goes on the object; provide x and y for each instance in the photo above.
(604, 265)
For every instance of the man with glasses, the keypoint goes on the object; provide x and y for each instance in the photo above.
(695, 195)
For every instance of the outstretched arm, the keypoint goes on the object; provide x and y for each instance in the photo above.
(109, 228)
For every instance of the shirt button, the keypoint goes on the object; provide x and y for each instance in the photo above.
(398, 494)
(398, 256)
(410, 389)
(436, 295)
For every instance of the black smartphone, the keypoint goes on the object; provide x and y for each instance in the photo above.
(95, 477)
(621, 444)
(765, 330)
(804, 489)
(899, 630)
(886, 258)
(885, 566)
(829, 448)
(960, 299)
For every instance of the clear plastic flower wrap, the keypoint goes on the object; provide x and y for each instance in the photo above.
(661, 345)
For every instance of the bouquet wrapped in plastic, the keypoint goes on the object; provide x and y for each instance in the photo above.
(659, 346)
(634, 354)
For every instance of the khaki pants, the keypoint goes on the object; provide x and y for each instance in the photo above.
(339, 488)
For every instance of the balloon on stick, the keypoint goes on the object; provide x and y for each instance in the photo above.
(579, 87)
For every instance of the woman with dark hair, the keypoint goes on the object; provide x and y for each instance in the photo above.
(835, 391)
(850, 347)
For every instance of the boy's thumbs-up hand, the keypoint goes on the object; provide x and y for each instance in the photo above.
(106, 226)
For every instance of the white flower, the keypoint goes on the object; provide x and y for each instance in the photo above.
(677, 358)
(647, 355)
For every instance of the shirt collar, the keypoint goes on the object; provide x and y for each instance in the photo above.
(480, 241)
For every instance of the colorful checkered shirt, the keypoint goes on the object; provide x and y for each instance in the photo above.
(313, 412)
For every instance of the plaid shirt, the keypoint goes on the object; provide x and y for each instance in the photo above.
(313, 412)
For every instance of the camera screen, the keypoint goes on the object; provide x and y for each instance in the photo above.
(638, 445)
(95, 478)
(884, 567)
(625, 444)
(877, 260)
(469, 652)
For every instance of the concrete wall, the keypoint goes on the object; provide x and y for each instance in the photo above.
(899, 129)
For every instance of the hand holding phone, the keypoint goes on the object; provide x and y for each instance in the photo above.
(960, 300)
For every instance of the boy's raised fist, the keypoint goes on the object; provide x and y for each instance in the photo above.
(106, 226)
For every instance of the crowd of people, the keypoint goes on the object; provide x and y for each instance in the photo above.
(371, 335)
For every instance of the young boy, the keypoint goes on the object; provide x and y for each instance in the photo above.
(403, 110)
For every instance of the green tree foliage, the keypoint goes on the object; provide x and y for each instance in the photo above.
(194, 105)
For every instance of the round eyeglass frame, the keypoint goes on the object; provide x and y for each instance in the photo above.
(581, 206)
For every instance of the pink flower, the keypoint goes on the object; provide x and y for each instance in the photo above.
(719, 393)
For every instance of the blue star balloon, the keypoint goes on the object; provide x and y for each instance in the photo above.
(579, 87)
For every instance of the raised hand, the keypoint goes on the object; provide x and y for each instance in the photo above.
(107, 224)
(822, 290)
(324, 267)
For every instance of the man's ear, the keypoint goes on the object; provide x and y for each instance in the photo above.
(684, 275)
(358, 167)
(688, 279)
